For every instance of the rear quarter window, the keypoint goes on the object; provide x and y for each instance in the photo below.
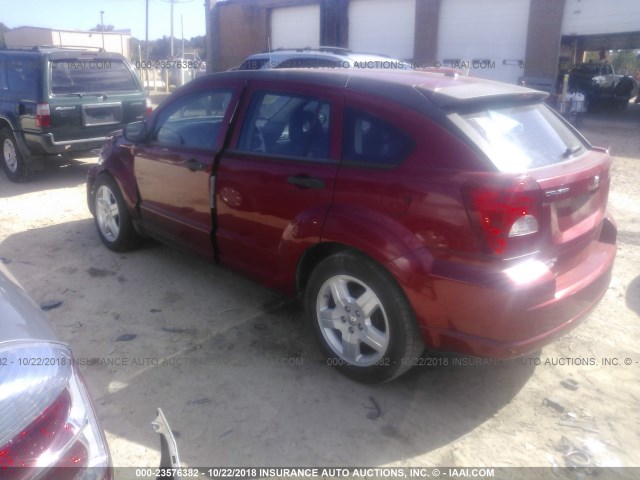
(371, 141)
(22, 74)
(522, 138)
(79, 76)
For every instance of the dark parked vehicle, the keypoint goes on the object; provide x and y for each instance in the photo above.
(405, 208)
(48, 427)
(62, 102)
(600, 85)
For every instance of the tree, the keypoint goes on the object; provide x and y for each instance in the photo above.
(625, 61)
(101, 28)
(3, 28)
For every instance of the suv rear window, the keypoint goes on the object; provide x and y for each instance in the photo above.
(523, 138)
(91, 76)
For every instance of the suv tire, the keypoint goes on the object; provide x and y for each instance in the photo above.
(362, 318)
(13, 162)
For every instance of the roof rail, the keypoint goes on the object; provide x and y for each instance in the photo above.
(327, 49)
(46, 48)
(40, 48)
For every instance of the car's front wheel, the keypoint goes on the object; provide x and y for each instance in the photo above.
(112, 217)
(13, 161)
(362, 318)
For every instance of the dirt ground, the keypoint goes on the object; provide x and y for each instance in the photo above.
(242, 382)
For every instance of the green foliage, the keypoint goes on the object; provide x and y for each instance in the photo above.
(625, 61)
(102, 28)
(3, 28)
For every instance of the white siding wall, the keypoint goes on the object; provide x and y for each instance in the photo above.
(295, 27)
(383, 26)
(112, 42)
(495, 30)
(593, 17)
(29, 37)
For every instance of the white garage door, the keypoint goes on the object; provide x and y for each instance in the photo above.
(489, 37)
(600, 16)
(295, 27)
(383, 26)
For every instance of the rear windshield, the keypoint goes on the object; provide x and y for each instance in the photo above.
(80, 76)
(523, 138)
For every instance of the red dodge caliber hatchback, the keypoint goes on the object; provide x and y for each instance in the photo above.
(405, 208)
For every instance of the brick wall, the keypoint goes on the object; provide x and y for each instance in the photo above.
(543, 40)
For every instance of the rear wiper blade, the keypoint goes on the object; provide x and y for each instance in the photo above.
(571, 150)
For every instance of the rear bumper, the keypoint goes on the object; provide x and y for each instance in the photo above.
(513, 312)
(47, 144)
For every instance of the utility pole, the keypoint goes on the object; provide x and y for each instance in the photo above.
(146, 35)
(102, 27)
(172, 28)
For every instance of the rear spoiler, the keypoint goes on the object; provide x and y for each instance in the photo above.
(473, 96)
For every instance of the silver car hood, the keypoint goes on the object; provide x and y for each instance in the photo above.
(20, 317)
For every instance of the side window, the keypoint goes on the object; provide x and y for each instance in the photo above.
(21, 75)
(286, 124)
(193, 121)
(368, 140)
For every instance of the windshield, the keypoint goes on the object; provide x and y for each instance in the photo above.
(81, 76)
(523, 138)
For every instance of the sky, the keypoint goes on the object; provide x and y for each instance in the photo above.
(122, 14)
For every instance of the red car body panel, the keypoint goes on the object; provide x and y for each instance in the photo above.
(412, 218)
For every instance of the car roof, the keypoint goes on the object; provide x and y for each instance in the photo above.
(444, 89)
(20, 318)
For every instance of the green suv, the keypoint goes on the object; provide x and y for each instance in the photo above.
(62, 102)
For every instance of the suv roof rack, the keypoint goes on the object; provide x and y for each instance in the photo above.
(40, 48)
(48, 48)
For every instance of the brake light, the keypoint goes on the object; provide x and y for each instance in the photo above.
(506, 214)
(43, 115)
(149, 106)
(47, 423)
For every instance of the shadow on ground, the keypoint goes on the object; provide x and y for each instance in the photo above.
(233, 365)
(56, 174)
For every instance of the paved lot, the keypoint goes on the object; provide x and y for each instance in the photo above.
(242, 382)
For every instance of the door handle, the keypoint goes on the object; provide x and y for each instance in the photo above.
(306, 182)
(194, 165)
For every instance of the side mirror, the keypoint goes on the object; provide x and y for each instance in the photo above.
(135, 132)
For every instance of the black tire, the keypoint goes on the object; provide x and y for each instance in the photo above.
(371, 346)
(111, 216)
(13, 162)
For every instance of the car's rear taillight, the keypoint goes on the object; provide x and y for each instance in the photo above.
(149, 106)
(47, 423)
(43, 115)
(505, 212)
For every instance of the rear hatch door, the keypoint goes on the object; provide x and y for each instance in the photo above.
(532, 140)
(92, 94)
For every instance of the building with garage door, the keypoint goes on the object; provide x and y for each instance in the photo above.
(499, 39)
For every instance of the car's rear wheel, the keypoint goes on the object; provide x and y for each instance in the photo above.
(13, 161)
(362, 319)
(112, 217)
